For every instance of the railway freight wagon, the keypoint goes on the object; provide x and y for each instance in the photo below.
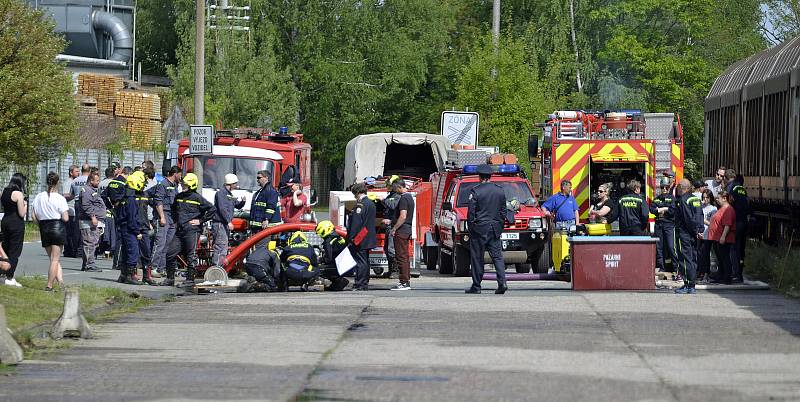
(752, 124)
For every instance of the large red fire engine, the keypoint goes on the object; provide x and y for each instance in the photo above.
(592, 148)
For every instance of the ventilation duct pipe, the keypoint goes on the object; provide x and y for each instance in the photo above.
(123, 40)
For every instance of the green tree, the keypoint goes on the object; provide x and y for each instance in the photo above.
(37, 112)
(156, 35)
(245, 84)
(508, 103)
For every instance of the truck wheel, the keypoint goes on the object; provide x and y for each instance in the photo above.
(522, 268)
(445, 265)
(431, 256)
(461, 261)
(543, 259)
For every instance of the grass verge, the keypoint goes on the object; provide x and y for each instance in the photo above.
(773, 265)
(30, 310)
(31, 231)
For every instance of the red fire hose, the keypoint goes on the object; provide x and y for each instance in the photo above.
(241, 251)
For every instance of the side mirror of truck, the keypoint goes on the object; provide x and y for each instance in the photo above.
(447, 206)
(314, 199)
(533, 146)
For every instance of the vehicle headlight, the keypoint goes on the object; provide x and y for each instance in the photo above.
(535, 223)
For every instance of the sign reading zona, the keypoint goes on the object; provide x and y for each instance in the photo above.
(461, 127)
(201, 140)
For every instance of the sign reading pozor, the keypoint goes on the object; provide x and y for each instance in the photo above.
(201, 140)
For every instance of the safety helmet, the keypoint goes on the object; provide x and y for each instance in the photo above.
(190, 180)
(325, 228)
(393, 179)
(298, 237)
(136, 181)
(231, 178)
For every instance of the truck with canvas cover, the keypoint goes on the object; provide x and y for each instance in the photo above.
(374, 158)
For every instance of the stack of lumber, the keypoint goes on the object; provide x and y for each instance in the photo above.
(103, 88)
(138, 105)
(143, 132)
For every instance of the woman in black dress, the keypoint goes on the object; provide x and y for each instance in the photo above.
(15, 207)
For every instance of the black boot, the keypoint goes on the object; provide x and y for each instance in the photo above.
(128, 277)
(190, 274)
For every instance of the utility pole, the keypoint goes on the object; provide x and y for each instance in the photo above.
(199, 79)
(495, 32)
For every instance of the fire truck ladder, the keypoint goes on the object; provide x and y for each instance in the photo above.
(659, 127)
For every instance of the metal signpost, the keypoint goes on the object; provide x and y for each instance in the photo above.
(460, 127)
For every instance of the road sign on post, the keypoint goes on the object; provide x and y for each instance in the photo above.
(460, 127)
(201, 140)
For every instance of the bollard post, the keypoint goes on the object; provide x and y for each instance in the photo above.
(10, 352)
(71, 319)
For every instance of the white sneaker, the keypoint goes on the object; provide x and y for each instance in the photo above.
(13, 282)
(402, 286)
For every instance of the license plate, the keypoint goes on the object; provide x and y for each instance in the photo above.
(509, 236)
(378, 261)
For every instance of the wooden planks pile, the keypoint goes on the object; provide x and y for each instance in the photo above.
(144, 133)
(103, 88)
(138, 105)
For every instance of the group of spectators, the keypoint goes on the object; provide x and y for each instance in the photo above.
(692, 221)
(133, 215)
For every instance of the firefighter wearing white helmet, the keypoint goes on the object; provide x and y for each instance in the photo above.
(222, 224)
(189, 211)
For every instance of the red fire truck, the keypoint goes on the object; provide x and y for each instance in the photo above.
(592, 148)
(524, 241)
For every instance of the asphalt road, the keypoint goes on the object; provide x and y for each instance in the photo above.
(540, 342)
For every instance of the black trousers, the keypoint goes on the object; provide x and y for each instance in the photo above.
(264, 275)
(704, 256)
(484, 238)
(741, 242)
(146, 250)
(188, 242)
(362, 267)
(13, 237)
(687, 256)
(633, 231)
(665, 248)
(73, 243)
(726, 257)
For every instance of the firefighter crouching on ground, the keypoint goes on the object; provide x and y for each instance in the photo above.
(265, 208)
(263, 266)
(225, 203)
(128, 227)
(189, 212)
(146, 232)
(633, 211)
(332, 246)
(689, 228)
(663, 207)
(299, 262)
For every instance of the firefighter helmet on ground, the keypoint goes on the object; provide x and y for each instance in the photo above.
(325, 228)
(190, 180)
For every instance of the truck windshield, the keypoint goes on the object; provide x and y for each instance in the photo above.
(513, 189)
(216, 167)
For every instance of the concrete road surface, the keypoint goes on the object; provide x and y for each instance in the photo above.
(539, 342)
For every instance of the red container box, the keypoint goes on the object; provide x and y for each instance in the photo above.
(613, 262)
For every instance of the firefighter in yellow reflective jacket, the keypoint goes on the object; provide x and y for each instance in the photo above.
(299, 261)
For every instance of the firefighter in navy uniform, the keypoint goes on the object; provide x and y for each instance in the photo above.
(127, 222)
(633, 211)
(145, 236)
(263, 266)
(688, 228)
(113, 195)
(189, 211)
(741, 204)
(299, 262)
(663, 207)
(389, 206)
(265, 208)
(361, 234)
(332, 246)
(485, 218)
